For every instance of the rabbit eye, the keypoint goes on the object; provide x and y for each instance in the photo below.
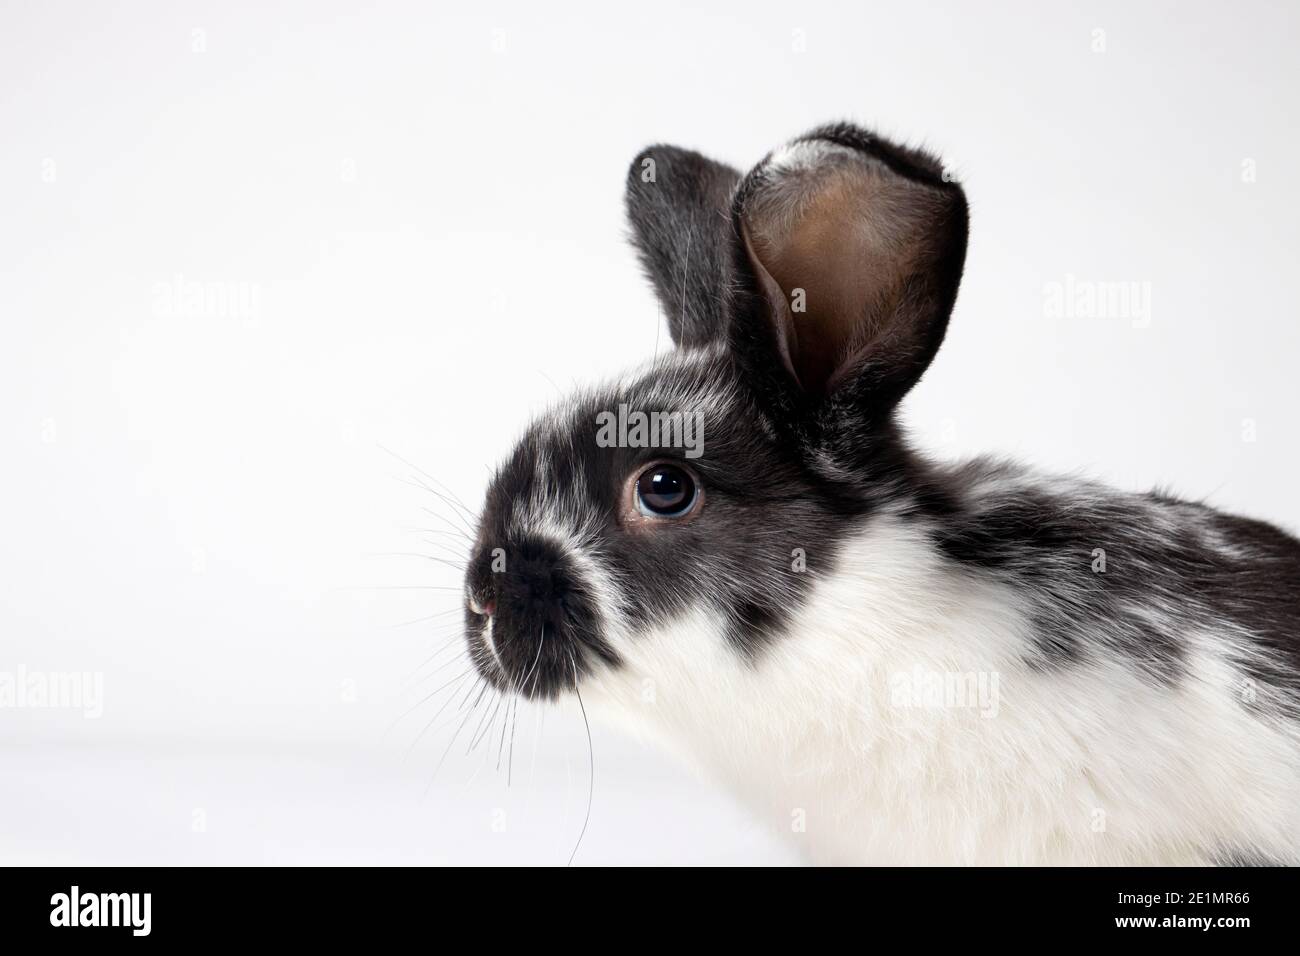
(666, 491)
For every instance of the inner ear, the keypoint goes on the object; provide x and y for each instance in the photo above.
(845, 247)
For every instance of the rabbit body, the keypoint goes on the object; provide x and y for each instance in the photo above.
(919, 709)
(890, 660)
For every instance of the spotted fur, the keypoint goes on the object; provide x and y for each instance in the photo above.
(1142, 651)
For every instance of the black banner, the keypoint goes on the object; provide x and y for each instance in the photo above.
(99, 905)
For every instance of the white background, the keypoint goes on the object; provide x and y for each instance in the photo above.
(427, 205)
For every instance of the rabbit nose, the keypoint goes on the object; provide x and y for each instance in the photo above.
(530, 578)
(481, 595)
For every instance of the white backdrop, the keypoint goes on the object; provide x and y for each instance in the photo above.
(246, 247)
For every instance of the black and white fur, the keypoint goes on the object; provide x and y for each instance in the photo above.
(1147, 707)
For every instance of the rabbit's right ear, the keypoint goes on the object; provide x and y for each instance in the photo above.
(678, 205)
(846, 257)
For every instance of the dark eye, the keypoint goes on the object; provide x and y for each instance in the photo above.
(665, 491)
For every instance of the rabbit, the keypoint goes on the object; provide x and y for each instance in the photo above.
(890, 660)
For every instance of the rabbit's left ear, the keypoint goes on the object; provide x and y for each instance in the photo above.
(847, 252)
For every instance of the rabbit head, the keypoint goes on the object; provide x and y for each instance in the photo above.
(804, 299)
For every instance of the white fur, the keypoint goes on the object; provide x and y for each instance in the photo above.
(1091, 763)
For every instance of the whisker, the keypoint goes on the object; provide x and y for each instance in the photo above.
(451, 743)
(418, 737)
(427, 617)
(410, 464)
(426, 699)
(443, 498)
(505, 723)
(455, 658)
(450, 526)
(461, 705)
(537, 657)
(416, 483)
(432, 531)
(591, 762)
(511, 707)
(461, 556)
(450, 643)
(414, 554)
(474, 742)
(539, 723)
(487, 751)
(510, 759)
(397, 587)
(449, 721)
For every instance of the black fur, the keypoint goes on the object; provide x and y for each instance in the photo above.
(1171, 567)
(737, 556)
(785, 469)
(538, 598)
(680, 229)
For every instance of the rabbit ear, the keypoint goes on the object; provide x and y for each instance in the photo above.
(678, 205)
(847, 255)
